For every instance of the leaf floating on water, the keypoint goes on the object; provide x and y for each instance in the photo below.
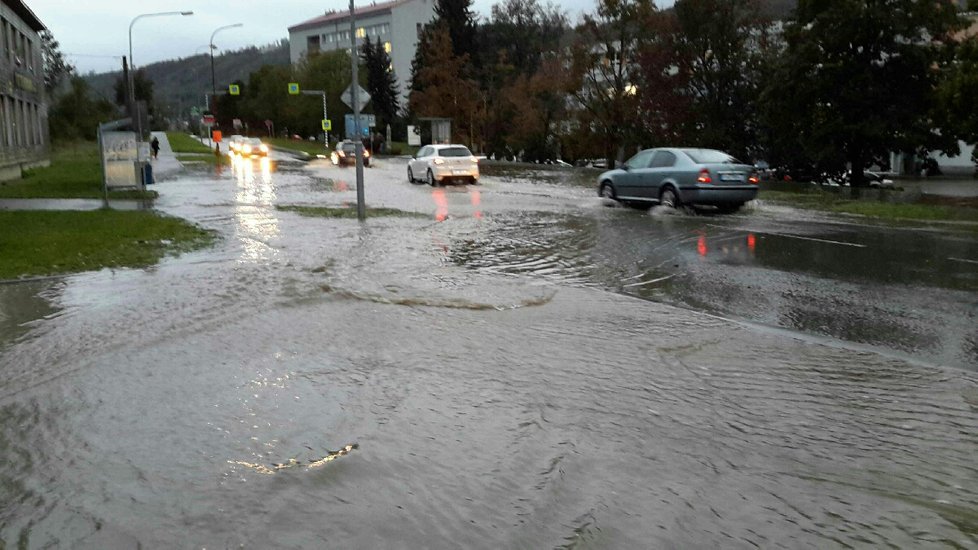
(293, 463)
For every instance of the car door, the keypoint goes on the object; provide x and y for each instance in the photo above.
(628, 182)
(418, 164)
(661, 168)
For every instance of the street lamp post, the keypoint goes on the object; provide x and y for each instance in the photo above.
(132, 65)
(213, 79)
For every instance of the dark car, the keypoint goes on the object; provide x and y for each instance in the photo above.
(346, 154)
(681, 176)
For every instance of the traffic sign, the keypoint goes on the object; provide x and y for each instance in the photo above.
(195, 112)
(234, 89)
(362, 95)
(294, 88)
(327, 125)
(208, 120)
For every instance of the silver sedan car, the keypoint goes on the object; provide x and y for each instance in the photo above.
(681, 176)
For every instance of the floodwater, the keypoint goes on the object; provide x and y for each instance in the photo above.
(523, 367)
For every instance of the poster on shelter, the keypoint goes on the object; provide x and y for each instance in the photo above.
(119, 154)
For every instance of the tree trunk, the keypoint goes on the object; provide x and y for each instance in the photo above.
(857, 166)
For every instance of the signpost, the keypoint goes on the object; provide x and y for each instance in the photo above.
(293, 88)
(347, 96)
(234, 89)
(327, 124)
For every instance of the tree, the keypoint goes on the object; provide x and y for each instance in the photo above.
(76, 115)
(521, 33)
(457, 18)
(56, 69)
(446, 91)
(605, 66)
(858, 80)
(957, 93)
(719, 49)
(381, 83)
(142, 86)
(534, 106)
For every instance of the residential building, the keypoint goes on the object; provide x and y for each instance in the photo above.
(396, 25)
(23, 106)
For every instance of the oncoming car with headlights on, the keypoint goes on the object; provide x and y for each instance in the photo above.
(346, 154)
(252, 147)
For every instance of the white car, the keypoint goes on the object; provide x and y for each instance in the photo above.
(437, 164)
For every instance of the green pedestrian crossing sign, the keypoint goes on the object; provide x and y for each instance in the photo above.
(294, 88)
(327, 125)
(234, 89)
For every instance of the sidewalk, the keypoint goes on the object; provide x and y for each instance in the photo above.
(166, 163)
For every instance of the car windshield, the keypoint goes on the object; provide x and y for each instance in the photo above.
(454, 152)
(253, 141)
(710, 156)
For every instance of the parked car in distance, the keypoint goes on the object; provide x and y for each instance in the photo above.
(681, 176)
(249, 147)
(345, 153)
(437, 164)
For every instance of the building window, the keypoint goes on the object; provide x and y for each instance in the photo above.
(387, 47)
(361, 32)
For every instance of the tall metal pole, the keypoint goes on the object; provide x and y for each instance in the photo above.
(213, 79)
(355, 87)
(132, 66)
(325, 131)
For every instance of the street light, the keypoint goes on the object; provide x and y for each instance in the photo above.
(132, 66)
(213, 80)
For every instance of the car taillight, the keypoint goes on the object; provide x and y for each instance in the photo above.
(754, 178)
(439, 161)
(704, 176)
(341, 153)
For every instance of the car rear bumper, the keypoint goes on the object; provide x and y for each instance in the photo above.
(455, 172)
(718, 194)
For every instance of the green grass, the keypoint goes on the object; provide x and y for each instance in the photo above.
(310, 147)
(340, 212)
(184, 143)
(74, 174)
(48, 242)
(210, 158)
(892, 211)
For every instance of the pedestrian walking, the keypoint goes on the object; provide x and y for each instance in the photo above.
(155, 145)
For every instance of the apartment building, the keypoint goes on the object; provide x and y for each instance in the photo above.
(396, 25)
(23, 106)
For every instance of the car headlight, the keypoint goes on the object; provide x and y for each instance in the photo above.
(263, 148)
(247, 148)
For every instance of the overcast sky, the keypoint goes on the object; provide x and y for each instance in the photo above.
(94, 34)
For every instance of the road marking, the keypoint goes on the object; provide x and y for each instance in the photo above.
(649, 282)
(963, 260)
(843, 243)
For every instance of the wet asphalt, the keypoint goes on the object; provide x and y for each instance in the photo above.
(520, 365)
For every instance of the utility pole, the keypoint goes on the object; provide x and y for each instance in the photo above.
(354, 58)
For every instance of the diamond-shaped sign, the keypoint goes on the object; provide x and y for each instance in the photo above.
(362, 95)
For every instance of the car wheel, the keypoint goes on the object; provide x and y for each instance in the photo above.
(431, 179)
(607, 191)
(410, 175)
(669, 198)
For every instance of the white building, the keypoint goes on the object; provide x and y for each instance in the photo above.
(23, 106)
(397, 25)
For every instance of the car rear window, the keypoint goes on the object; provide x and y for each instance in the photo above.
(710, 156)
(454, 152)
(349, 147)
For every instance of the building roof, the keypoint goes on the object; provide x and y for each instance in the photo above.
(332, 17)
(26, 14)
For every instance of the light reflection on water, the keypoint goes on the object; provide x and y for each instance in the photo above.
(256, 217)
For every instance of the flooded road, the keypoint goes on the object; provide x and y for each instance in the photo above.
(509, 370)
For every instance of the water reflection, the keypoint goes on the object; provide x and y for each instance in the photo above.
(23, 303)
(257, 223)
(440, 196)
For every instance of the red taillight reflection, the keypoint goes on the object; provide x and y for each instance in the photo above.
(476, 199)
(704, 176)
(701, 245)
(441, 204)
(751, 242)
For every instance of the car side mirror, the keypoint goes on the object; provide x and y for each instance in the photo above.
(625, 167)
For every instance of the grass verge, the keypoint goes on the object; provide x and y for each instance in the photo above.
(891, 211)
(74, 174)
(53, 242)
(312, 148)
(184, 143)
(342, 212)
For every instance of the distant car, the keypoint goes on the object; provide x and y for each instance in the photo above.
(345, 153)
(234, 142)
(681, 176)
(443, 163)
(252, 147)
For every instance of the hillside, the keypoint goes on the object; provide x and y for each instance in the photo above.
(181, 83)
